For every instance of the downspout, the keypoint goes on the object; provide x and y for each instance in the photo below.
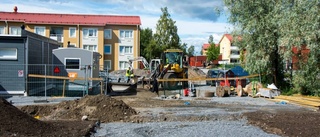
(138, 46)
(78, 35)
(7, 27)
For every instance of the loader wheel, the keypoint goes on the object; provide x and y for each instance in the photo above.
(170, 85)
(239, 90)
(227, 91)
(220, 91)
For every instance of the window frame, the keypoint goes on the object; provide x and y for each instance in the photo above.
(15, 57)
(96, 47)
(125, 66)
(125, 37)
(88, 31)
(125, 53)
(104, 64)
(15, 27)
(109, 45)
(75, 32)
(104, 33)
(4, 30)
(42, 27)
(65, 63)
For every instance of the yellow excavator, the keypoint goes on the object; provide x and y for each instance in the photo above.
(171, 67)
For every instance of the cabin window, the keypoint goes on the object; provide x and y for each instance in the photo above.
(72, 63)
(8, 54)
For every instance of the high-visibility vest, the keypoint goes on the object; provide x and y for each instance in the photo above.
(128, 72)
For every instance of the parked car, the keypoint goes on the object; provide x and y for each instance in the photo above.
(212, 74)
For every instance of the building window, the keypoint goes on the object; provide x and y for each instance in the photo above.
(72, 45)
(8, 54)
(123, 65)
(15, 30)
(1, 30)
(125, 49)
(40, 30)
(90, 47)
(72, 63)
(90, 32)
(107, 64)
(107, 34)
(126, 34)
(107, 49)
(72, 32)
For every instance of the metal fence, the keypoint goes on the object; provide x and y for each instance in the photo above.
(51, 80)
(55, 80)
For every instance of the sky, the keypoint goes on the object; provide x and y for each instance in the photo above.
(196, 19)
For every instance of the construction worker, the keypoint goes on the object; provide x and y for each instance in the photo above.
(128, 74)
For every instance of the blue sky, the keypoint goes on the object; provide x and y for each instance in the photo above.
(195, 19)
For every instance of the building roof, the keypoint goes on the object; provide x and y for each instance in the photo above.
(69, 19)
(206, 46)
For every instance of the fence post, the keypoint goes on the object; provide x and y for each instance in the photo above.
(45, 81)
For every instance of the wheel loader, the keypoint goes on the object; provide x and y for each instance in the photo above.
(171, 67)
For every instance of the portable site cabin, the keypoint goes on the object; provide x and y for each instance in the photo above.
(21, 55)
(79, 63)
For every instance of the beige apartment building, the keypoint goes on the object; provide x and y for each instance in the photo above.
(230, 53)
(115, 37)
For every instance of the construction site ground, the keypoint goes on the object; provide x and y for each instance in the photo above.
(147, 114)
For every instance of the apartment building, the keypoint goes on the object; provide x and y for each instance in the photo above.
(115, 37)
(230, 53)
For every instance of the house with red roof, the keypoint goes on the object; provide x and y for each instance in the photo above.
(115, 37)
(205, 48)
(229, 52)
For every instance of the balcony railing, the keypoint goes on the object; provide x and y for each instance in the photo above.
(234, 48)
(57, 37)
(234, 56)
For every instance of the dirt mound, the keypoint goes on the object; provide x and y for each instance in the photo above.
(99, 107)
(287, 123)
(16, 123)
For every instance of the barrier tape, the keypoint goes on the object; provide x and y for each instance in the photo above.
(160, 80)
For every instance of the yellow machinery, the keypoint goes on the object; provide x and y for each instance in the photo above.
(171, 67)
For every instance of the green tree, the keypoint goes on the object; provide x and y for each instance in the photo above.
(256, 23)
(166, 35)
(269, 29)
(191, 51)
(299, 26)
(210, 41)
(213, 51)
(145, 40)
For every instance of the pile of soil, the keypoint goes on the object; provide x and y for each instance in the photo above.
(287, 123)
(98, 107)
(16, 123)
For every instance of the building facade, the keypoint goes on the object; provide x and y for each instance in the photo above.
(230, 53)
(115, 37)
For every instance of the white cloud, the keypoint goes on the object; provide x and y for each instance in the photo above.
(194, 19)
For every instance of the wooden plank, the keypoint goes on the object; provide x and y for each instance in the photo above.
(300, 101)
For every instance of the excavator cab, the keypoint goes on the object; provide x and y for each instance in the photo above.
(172, 67)
(173, 58)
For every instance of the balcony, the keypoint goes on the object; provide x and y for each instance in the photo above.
(234, 48)
(234, 56)
(57, 37)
